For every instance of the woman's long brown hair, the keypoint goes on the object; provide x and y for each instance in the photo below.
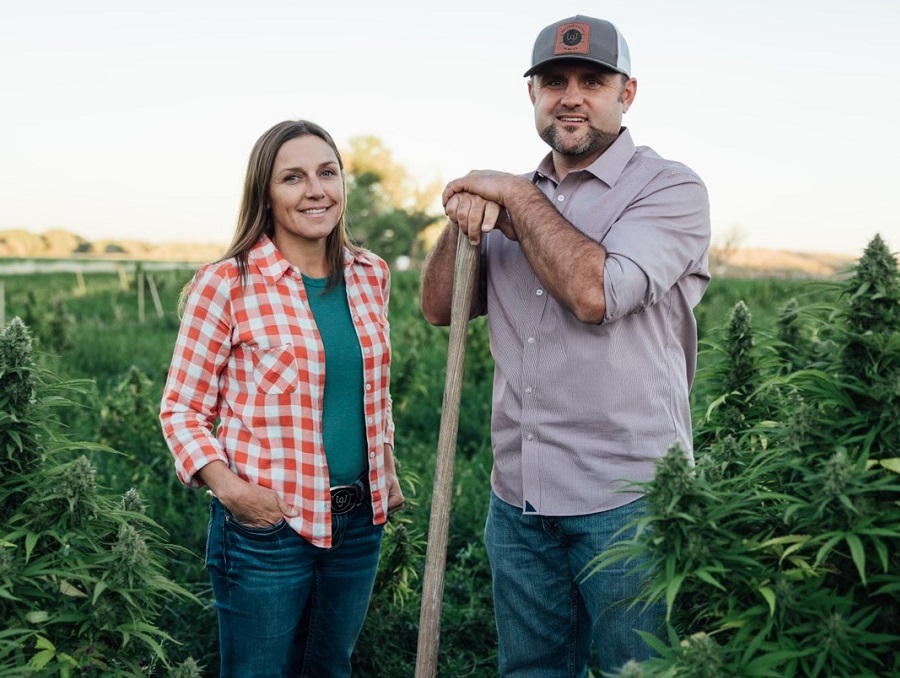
(255, 218)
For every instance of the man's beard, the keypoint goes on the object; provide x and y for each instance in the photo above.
(595, 142)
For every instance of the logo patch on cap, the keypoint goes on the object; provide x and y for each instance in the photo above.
(573, 38)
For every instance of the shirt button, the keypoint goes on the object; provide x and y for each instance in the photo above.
(530, 437)
(371, 455)
(560, 198)
(530, 340)
(369, 420)
(368, 351)
(368, 387)
(528, 390)
(539, 292)
(356, 319)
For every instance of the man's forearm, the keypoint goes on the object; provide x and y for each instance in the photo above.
(567, 262)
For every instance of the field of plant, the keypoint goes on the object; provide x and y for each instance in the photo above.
(778, 553)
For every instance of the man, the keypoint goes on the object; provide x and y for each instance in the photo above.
(590, 268)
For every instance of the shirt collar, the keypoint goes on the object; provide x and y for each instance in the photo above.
(272, 265)
(608, 167)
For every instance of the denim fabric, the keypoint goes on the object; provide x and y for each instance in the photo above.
(286, 607)
(547, 612)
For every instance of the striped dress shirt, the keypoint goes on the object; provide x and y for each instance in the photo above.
(251, 358)
(582, 411)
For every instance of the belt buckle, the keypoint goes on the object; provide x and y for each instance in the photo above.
(344, 498)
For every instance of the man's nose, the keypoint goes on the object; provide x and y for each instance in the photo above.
(572, 95)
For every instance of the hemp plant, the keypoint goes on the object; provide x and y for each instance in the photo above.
(744, 401)
(778, 552)
(82, 573)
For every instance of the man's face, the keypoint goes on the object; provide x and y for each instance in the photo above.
(578, 110)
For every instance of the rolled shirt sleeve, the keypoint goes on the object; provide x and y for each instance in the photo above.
(661, 238)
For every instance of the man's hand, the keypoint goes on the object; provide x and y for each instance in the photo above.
(477, 201)
(474, 215)
(489, 184)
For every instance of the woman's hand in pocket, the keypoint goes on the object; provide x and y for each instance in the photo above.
(251, 505)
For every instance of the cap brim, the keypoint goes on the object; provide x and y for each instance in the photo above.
(539, 66)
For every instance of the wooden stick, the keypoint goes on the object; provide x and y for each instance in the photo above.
(438, 527)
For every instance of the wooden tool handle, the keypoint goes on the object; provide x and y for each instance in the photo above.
(436, 553)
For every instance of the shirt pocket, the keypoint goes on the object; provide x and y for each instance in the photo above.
(275, 369)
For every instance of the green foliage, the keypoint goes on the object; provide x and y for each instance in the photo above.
(378, 225)
(785, 517)
(129, 423)
(778, 552)
(127, 361)
(82, 573)
(51, 326)
(792, 343)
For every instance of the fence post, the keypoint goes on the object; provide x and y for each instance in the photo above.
(140, 287)
(155, 294)
(80, 286)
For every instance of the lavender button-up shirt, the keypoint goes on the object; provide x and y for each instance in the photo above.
(580, 411)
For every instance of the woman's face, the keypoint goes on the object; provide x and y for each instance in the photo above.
(306, 194)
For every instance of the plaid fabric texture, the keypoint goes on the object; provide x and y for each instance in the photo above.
(247, 379)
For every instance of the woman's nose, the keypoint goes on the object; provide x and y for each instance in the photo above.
(314, 188)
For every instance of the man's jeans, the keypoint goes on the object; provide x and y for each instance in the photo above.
(548, 613)
(286, 607)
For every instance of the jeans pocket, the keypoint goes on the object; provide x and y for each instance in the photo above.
(251, 530)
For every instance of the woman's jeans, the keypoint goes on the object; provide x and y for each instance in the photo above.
(286, 607)
(548, 612)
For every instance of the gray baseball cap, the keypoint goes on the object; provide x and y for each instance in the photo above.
(581, 37)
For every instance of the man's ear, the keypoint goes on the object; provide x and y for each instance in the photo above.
(531, 89)
(629, 92)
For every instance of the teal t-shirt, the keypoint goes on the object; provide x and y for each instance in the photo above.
(343, 416)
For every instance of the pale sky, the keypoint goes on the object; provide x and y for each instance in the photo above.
(124, 119)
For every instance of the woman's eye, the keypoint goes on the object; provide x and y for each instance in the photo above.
(329, 173)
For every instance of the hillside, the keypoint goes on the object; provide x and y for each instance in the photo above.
(732, 261)
(58, 243)
(752, 262)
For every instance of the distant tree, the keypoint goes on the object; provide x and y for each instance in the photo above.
(61, 243)
(368, 154)
(388, 209)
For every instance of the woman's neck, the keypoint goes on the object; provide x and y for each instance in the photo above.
(309, 256)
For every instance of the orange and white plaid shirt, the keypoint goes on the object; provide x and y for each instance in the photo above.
(251, 357)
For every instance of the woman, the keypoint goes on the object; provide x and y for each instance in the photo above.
(277, 400)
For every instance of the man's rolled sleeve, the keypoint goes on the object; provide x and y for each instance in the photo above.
(662, 237)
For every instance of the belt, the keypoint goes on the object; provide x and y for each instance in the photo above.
(345, 498)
